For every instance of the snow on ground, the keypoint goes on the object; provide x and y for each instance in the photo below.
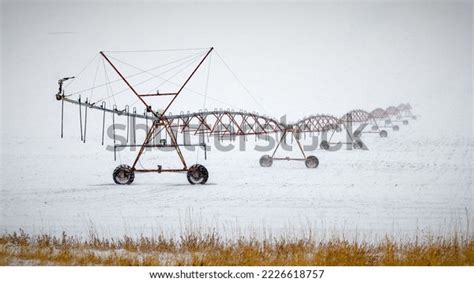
(409, 183)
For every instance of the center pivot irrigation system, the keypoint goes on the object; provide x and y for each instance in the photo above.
(219, 124)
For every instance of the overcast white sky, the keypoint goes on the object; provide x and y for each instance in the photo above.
(295, 58)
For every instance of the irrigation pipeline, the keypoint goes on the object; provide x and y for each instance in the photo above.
(260, 123)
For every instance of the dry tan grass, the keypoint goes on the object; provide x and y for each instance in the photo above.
(19, 248)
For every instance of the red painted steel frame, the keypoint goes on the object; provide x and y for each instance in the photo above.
(161, 120)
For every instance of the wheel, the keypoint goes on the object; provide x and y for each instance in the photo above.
(374, 127)
(266, 161)
(123, 175)
(324, 145)
(197, 174)
(311, 162)
(387, 121)
(357, 145)
(405, 122)
(383, 133)
(357, 133)
(396, 128)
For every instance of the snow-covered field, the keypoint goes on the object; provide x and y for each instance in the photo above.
(409, 183)
(294, 60)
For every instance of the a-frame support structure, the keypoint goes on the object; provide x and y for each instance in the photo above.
(310, 161)
(125, 174)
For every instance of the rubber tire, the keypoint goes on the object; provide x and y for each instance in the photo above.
(405, 122)
(357, 145)
(266, 161)
(396, 128)
(197, 174)
(127, 173)
(383, 133)
(311, 162)
(324, 145)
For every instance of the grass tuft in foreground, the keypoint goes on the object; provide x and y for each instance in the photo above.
(19, 248)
